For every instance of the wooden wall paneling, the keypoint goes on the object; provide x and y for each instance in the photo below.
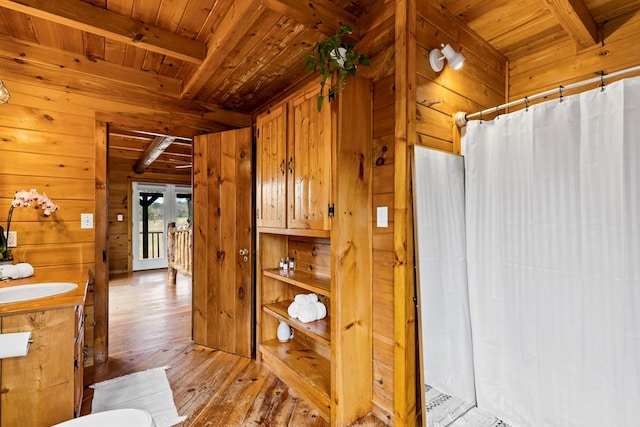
(479, 84)
(405, 136)
(101, 254)
(452, 29)
(382, 244)
(561, 64)
(116, 100)
(351, 290)
(383, 378)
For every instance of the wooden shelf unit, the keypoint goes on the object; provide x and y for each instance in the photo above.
(328, 361)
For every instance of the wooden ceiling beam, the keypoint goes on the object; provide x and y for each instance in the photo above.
(575, 18)
(96, 20)
(33, 53)
(240, 16)
(321, 15)
(153, 151)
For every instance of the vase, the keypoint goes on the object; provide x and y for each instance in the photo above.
(285, 332)
(3, 243)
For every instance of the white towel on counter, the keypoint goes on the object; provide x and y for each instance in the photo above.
(16, 271)
(311, 312)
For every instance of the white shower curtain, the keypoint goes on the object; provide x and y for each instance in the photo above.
(553, 253)
(445, 327)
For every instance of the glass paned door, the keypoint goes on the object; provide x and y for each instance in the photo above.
(155, 205)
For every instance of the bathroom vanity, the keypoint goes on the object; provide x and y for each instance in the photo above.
(45, 386)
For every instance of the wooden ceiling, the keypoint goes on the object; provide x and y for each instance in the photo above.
(519, 28)
(237, 54)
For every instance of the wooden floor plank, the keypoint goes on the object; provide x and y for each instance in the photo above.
(150, 326)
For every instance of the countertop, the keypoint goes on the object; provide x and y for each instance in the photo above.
(75, 297)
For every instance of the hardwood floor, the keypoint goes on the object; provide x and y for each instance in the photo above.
(150, 326)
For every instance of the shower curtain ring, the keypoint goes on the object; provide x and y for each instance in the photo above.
(602, 85)
(480, 116)
(526, 103)
(561, 95)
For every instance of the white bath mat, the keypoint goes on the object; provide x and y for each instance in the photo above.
(148, 390)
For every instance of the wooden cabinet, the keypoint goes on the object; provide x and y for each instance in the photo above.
(271, 154)
(45, 386)
(294, 164)
(328, 361)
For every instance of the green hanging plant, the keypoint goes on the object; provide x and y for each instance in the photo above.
(334, 59)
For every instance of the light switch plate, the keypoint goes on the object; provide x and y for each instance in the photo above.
(120, 217)
(382, 217)
(86, 220)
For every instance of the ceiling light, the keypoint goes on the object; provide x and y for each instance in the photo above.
(5, 96)
(437, 57)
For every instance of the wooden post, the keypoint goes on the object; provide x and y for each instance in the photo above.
(171, 251)
(403, 275)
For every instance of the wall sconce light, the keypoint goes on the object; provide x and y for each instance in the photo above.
(437, 57)
(5, 96)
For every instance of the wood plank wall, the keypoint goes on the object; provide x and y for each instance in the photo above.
(378, 43)
(121, 176)
(562, 63)
(47, 142)
(479, 84)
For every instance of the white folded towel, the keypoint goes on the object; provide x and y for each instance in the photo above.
(293, 310)
(311, 312)
(16, 271)
(306, 298)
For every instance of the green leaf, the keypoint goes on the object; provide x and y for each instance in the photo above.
(320, 99)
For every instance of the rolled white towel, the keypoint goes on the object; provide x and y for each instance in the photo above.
(293, 310)
(306, 298)
(312, 312)
(25, 269)
(16, 271)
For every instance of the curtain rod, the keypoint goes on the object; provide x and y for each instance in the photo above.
(461, 118)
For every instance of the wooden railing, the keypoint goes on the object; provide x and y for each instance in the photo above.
(179, 251)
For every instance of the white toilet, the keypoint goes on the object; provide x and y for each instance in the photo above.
(116, 417)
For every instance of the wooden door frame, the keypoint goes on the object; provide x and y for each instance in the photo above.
(101, 227)
(101, 274)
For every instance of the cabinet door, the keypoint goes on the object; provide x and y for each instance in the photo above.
(271, 169)
(309, 163)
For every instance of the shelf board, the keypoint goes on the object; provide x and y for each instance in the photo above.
(304, 232)
(301, 368)
(318, 284)
(319, 330)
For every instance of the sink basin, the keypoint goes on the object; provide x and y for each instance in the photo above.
(34, 291)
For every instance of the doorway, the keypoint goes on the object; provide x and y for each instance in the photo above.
(154, 206)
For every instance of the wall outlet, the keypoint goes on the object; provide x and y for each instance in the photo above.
(86, 220)
(12, 239)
